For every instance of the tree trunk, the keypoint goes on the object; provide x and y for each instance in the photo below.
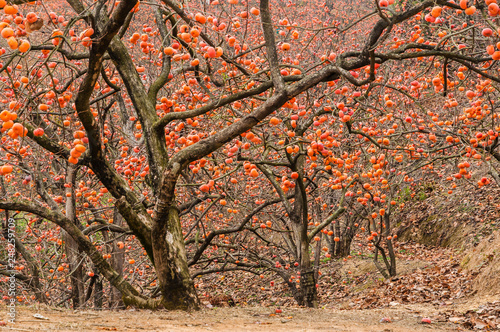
(390, 248)
(71, 247)
(341, 248)
(77, 287)
(308, 288)
(169, 252)
(307, 277)
(379, 267)
(117, 262)
(317, 257)
(300, 220)
(98, 294)
(389, 268)
(308, 291)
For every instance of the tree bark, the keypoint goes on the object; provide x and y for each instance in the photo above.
(342, 248)
(299, 218)
(98, 293)
(117, 262)
(73, 253)
(308, 291)
(169, 252)
(390, 248)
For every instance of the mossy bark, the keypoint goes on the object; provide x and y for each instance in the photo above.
(176, 285)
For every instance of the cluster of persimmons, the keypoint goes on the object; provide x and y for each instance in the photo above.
(428, 108)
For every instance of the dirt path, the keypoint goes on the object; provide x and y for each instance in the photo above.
(403, 318)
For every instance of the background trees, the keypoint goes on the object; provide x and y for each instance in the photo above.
(229, 135)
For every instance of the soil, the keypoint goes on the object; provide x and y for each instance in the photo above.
(402, 318)
(485, 261)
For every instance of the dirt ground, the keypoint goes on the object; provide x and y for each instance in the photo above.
(402, 318)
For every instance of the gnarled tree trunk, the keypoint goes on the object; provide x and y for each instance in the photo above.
(169, 252)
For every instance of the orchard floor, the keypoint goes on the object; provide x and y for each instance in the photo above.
(402, 318)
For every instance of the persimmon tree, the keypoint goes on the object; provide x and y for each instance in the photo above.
(151, 107)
